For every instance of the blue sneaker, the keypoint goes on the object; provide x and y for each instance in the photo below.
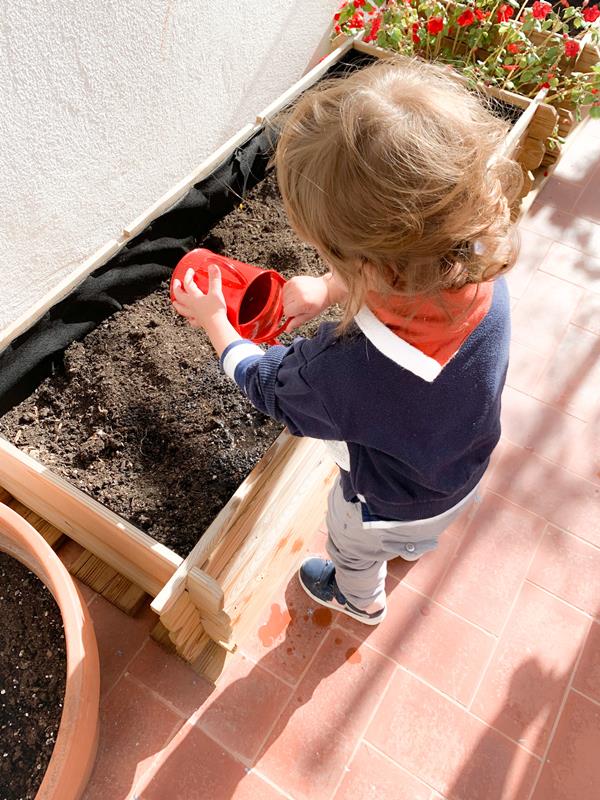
(317, 578)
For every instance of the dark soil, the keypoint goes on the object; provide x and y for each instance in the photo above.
(141, 416)
(32, 679)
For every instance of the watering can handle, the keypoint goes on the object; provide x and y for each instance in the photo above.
(281, 329)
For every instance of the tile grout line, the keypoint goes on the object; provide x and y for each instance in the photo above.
(273, 725)
(508, 616)
(121, 674)
(388, 758)
(585, 288)
(545, 519)
(268, 780)
(450, 611)
(157, 696)
(140, 782)
(362, 735)
(587, 614)
(539, 399)
(585, 696)
(559, 713)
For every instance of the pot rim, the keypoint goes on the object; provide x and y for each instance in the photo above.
(74, 752)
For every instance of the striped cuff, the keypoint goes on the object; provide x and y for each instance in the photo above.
(236, 352)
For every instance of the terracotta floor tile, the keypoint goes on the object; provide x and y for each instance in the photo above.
(425, 574)
(550, 491)
(587, 313)
(243, 708)
(371, 776)
(526, 680)
(437, 646)
(134, 727)
(572, 771)
(587, 677)
(572, 265)
(544, 311)
(588, 203)
(170, 677)
(532, 249)
(562, 227)
(525, 367)
(560, 193)
(445, 746)
(584, 458)
(572, 377)
(491, 563)
(578, 164)
(317, 732)
(193, 766)
(288, 633)
(536, 426)
(119, 638)
(569, 568)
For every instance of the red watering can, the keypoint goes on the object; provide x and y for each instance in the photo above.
(254, 296)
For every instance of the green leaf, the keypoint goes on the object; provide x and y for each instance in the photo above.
(595, 112)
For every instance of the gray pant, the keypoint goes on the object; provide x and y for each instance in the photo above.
(360, 551)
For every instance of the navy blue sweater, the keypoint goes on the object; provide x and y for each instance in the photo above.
(411, 438)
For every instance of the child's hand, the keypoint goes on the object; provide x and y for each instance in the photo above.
(304, 298)
(198, 308)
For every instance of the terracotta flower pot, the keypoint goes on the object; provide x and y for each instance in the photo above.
(75, 749)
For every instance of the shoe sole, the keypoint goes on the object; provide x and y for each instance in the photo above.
(335, 607)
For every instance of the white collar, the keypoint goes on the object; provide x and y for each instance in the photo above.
(395, 348)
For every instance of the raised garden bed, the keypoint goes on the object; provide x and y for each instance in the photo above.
(117, 416)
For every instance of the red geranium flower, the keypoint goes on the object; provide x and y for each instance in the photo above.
(374, 30)
(505, 12)
(466, 18)
(571, 48)
(591, 14)
(513, 47)
(357, 21)
(359, 3)
(481, 15)
(510, 67)
(435, 25)
(540, 9)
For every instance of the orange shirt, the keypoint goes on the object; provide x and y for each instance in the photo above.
(425, 324)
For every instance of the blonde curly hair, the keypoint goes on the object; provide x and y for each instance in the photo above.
(395, 174)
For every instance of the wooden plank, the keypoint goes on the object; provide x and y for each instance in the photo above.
(235, 507)
(105, 580)
(128, 550)
(5, 497)
(211, 660)
(205, 590)
(52, 535)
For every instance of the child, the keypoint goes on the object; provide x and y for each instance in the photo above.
(394, 175)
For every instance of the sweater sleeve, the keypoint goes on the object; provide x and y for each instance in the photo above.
(276, 382)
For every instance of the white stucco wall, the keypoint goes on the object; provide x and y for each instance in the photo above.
(105, 104)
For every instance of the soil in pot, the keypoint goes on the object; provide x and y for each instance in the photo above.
(142, 418)
(32, 679)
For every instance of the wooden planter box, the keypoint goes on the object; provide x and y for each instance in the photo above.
(209, 600)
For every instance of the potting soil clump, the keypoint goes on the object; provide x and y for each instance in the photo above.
(32, 679)
(141, 416)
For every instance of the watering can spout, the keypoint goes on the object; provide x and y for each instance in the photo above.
(254, 296)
